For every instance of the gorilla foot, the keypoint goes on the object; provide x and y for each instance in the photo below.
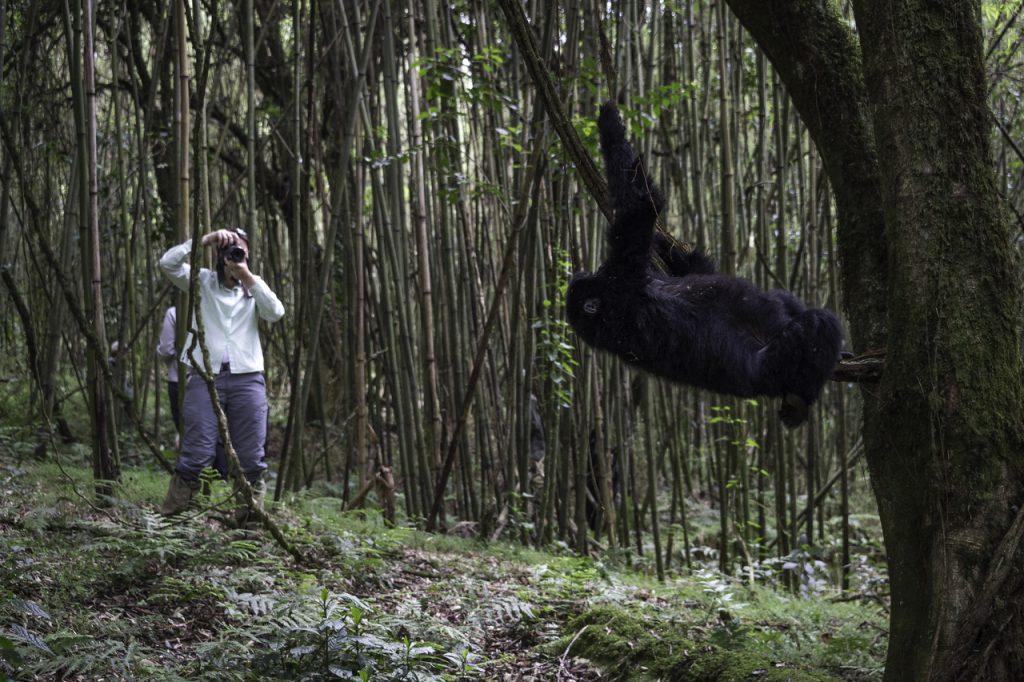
(794, 410)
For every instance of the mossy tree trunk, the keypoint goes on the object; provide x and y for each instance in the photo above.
(928, 275)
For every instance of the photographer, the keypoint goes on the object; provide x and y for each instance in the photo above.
(230, 299)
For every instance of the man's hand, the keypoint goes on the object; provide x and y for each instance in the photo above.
(240, 272)
(220, 238)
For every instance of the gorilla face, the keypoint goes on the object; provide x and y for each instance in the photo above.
(584, 304)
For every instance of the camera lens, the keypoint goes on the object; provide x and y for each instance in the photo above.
(235, 253)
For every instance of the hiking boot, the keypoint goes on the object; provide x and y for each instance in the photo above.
(179, 495)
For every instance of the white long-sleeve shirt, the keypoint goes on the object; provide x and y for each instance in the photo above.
(229, 315)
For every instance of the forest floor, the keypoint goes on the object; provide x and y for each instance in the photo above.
(115, 592)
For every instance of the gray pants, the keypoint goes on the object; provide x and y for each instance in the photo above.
(243, 397)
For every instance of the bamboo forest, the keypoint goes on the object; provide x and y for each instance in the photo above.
(511, 340)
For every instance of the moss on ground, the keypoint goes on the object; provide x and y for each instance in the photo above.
(628, 645)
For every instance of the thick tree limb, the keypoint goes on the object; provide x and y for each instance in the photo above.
(865, 368)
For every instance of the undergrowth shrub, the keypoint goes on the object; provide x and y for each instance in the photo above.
(321, 636)
(121, 593)
(80, 656)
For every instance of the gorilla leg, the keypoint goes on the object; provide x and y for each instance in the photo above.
(799, 360)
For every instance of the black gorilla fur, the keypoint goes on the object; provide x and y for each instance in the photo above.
(693, 325)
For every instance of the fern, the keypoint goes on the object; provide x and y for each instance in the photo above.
(79, 656)
(26, 607)
(254, 604)
(508, 610)
(184, 589)
(23, 634)
(317, 636)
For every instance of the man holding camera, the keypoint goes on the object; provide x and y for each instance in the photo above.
(230, 299)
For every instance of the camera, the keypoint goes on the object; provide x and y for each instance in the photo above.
(234, 253)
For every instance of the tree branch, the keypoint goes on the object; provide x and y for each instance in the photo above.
(864, 368)
(574, 149)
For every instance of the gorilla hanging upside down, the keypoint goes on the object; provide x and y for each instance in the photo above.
(693, 325)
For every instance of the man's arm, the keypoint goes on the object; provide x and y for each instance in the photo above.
(174, 264)
(268, 305)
